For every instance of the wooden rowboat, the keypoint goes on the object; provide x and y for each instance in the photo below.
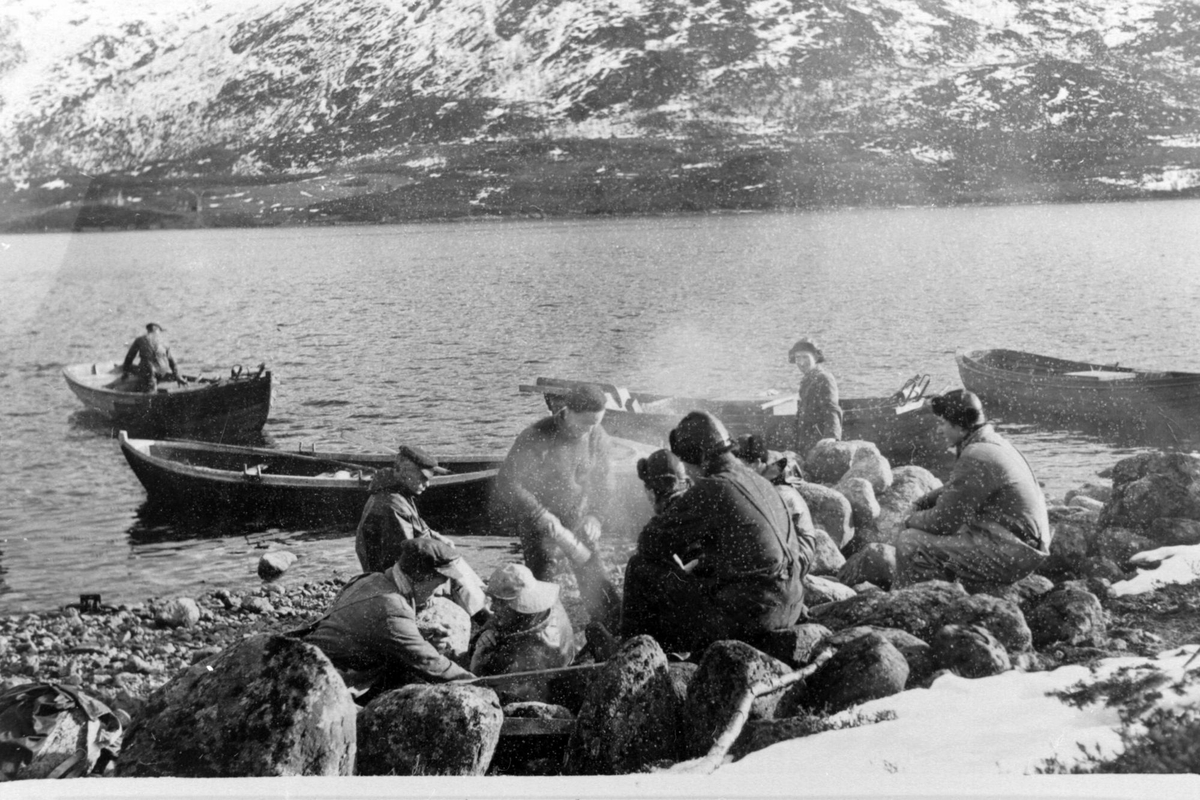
(901, 426)
(265, 483)
(1105, 394)
(225, 407)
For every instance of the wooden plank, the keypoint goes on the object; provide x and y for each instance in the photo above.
(518, 726)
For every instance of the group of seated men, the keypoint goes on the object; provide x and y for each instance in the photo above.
(723, 557)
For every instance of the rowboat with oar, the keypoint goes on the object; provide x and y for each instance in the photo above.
(216, 407)
(900, 425)
(1054, 388)
(315, 487)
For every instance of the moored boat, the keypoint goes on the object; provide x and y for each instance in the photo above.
(223, 407)
(900, 425)
(313, 487)
(1054, 388)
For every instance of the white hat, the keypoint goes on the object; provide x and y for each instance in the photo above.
(515, 585)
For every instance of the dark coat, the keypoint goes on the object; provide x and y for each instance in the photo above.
(818, 414)
(991, 483)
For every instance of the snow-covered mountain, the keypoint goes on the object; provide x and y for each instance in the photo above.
(279, 86)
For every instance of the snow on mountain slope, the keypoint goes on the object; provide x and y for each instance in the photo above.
(103, 85)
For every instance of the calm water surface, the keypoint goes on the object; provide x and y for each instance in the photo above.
(422, 333)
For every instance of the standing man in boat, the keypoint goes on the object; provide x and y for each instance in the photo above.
(370, 632)
(818, 414)
(739, 563)
(554, 491)
(390, 518)
(988, 524)
(155, 361)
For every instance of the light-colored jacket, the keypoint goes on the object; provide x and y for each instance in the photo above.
(818, 413)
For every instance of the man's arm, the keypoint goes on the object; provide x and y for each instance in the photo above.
(127, 367)
(403, 644)
(958, 500)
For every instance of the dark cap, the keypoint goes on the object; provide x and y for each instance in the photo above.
(805, 346)
(662, 468)
(586, 398)
(960, 408)
(153, 326)
(751, 448)
(425, 556)
(698, 436)
(421, 459)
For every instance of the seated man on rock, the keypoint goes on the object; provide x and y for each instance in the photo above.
(781, 471)
(390, 518)
(738, 562)
(529, 631)
(988, 524)
(370, 632)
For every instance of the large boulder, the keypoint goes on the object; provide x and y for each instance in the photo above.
(874, 564)
(727, 669)
(916, 652)
(182, 612)
(829, 459)
(909, 483)
(1001, 618)
(864, 508)
(818, 590)
(1152, 485)
(872, 467)
(795, 646)
(1070, 546)
(1121, 544)
(915, 609)
(266, 706)
(1070, 616)
(970, 651)
(630, 717)
(446, 623)
(827, 556)
(274, 563)
(1174, 531)
(866, 668)
(424, 729)
(830, 511)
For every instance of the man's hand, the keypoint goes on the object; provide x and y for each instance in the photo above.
(437, 635)
(550, 527)
(589, 531)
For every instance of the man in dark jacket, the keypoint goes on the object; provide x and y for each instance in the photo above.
(818, 410)
(370, 632)
(390, 518)
(739, 564)
(988, 524)
(154, 359)
(554, 490)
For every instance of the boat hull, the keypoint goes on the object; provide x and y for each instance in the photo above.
(1042, 387)
(904, 434)
(263, 484)
(224, 408)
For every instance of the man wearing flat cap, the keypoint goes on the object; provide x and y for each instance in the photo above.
(370, 632)
(390, 518)
(153, 357)
(988, 524)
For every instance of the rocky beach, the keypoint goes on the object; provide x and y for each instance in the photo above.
(1119, 582)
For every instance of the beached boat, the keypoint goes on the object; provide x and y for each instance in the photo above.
(223, 407)
(1046, 387)
(316, 487)
(901, 425)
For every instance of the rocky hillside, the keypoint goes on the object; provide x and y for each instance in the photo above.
(215, 112)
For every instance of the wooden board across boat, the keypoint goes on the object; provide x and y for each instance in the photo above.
(223, 407)
(317, 487)
(1059, 388)
(903, 431)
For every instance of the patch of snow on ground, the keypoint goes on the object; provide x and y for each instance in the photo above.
(1161, 567)
(1007, 724)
